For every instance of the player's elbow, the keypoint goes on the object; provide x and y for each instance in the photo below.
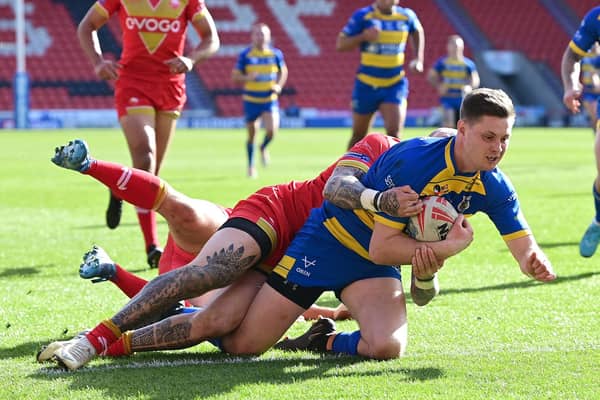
(379, 255)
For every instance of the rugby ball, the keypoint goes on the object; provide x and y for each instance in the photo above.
(434, 222)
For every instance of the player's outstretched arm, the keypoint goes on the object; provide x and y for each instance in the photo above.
(345, 190)
(570, 72)
(532, 260)
(87, 33)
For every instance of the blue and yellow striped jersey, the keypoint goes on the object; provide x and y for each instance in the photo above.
(587, 34)
(455, 74)
(589, 67)
(428, 166)
(382, 62)
(267, 64)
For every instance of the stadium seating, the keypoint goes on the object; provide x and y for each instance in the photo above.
(509, 25)
(581, 7)
(320, 77)
(324, 80)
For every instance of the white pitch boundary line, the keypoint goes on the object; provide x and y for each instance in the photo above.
(249, 360)
(176, 363)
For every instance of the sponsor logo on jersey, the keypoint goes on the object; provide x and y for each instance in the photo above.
(146, 24)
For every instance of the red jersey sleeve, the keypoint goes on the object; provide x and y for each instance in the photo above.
(195, 10)
(364, 153)
(107, 7)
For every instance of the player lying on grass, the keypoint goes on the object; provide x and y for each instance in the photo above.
(191, 222)
(461, 168)
(256, 234)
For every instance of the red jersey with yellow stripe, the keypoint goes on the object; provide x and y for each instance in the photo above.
(153, 32)
(281, 210)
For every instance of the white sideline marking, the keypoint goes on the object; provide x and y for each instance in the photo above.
(54, 370)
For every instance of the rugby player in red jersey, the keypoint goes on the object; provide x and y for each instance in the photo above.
(258, 231)
(149, 81)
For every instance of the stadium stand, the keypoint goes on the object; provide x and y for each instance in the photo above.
(509, 26)
(581, 7)
(306, 31)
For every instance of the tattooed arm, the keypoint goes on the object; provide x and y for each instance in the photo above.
(345, 190)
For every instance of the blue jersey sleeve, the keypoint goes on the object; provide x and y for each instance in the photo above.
(471, 67)
(588, 32)
(413, 20)
(503, 206)
(279, 60)
(439, 65)
(356, 24)
(242, 60)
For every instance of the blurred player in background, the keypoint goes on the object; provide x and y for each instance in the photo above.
(150, 82)
(453, 76)
(381, 32)
(583, 40)
(590, 78)
(262, 70)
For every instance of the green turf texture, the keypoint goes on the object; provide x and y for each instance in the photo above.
(491, 334)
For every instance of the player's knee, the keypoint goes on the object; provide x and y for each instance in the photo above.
(144, 158)
(387, 348)
(182, 216)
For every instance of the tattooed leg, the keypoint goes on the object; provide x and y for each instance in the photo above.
(218, 319)
(225, 257)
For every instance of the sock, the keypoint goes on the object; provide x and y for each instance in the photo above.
(250, 151)
(346, 343)
(147, 220)
(266, 142)
(140, 188)
(129, 283)
(103, 335)
(596, 203)
(122, 347)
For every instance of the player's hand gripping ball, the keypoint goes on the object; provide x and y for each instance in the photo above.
(434, 222)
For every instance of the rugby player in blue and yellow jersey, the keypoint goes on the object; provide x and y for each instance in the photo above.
(381, 31)
(352, 251)
(262, 70)
(453, 76)
(583, 40)
(590, 78)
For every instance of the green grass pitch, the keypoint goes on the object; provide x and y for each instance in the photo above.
(491, 334)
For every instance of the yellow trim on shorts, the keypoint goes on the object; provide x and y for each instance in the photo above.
(140, 110)
(174, 114)
(284, 266)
